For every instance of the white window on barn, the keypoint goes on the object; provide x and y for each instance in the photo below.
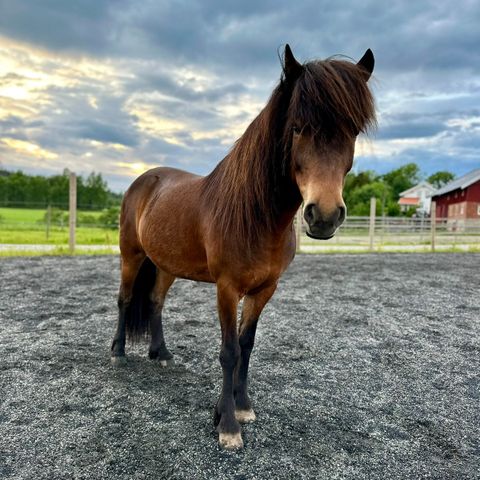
(478, 209)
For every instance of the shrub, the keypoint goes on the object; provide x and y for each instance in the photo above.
(87, 219)
(110, 217)
(57, 217)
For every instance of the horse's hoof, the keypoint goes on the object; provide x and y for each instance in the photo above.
(118, 361)
(165, 363)
(245, 416)
(230, 441)
(161, 354)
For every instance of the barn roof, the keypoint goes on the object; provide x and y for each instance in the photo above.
(461, 182)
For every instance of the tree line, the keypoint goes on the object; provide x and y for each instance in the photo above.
(386, 188)
(17, 189)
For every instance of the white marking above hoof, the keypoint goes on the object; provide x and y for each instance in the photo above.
(230, 441)
(245, 416)
(118, 361)
(166, 363)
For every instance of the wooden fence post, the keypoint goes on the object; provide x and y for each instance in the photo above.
(48, 221)
(371, 231)
(72, 211)
(298, 227)
(433, 223)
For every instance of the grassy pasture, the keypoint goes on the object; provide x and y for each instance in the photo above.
(27, 226)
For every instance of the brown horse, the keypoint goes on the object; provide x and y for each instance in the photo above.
(234, 227)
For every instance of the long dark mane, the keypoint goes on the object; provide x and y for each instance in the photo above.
(247, 189)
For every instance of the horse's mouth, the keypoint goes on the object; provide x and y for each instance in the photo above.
(319, 237)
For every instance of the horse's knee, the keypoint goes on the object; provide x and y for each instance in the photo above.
(229, 354)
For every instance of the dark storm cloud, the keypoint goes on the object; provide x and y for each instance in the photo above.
(10, 125)
(166, 84)
(413, 130)
(405, 35)
(104, 132)
(82, 26)
(75, 118)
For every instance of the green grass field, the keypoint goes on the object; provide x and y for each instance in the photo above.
(27, 226)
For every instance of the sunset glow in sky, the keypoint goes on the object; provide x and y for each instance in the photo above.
(121, 86)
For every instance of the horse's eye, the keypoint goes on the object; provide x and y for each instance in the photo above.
(296, 130)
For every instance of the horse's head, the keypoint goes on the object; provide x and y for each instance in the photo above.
(330, 105)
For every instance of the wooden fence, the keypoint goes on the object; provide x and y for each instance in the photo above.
(382, 233)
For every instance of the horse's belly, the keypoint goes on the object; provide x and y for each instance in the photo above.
(192, 269)
(176, 250)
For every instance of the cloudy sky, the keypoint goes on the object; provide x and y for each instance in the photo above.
(118, 86)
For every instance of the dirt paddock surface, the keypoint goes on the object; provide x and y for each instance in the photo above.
(365, 367)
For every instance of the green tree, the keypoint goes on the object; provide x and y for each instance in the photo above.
(110, 217)
(354, 181)
(360, 198)
(439, 179)
(93, 192)
(402, 178)
(20, 190)
(58, 187)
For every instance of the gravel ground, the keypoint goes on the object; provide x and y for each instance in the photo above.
(365, 367)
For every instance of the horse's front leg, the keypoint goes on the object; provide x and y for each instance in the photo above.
(252, 308)
(228, 428)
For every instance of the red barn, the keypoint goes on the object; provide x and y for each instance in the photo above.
(459, 199)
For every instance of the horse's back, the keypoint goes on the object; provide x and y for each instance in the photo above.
(154, 179)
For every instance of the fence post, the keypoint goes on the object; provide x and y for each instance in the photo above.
(371, 230)
(433, 222)
(72, 211)
(298, 228)
(48, 221)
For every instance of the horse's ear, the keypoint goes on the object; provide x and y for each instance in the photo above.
(367, 62)
(291, 67)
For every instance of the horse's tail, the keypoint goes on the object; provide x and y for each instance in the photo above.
(139, 310)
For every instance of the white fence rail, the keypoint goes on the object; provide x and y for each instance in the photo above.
(396, 234)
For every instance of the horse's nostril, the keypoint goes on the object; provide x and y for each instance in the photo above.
(341, 214)
(309, 213)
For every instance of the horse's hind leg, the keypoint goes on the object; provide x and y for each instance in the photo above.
(158, 349)
(130, 266)
(252, 308)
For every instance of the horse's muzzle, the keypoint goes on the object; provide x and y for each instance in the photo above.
(320, 227)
